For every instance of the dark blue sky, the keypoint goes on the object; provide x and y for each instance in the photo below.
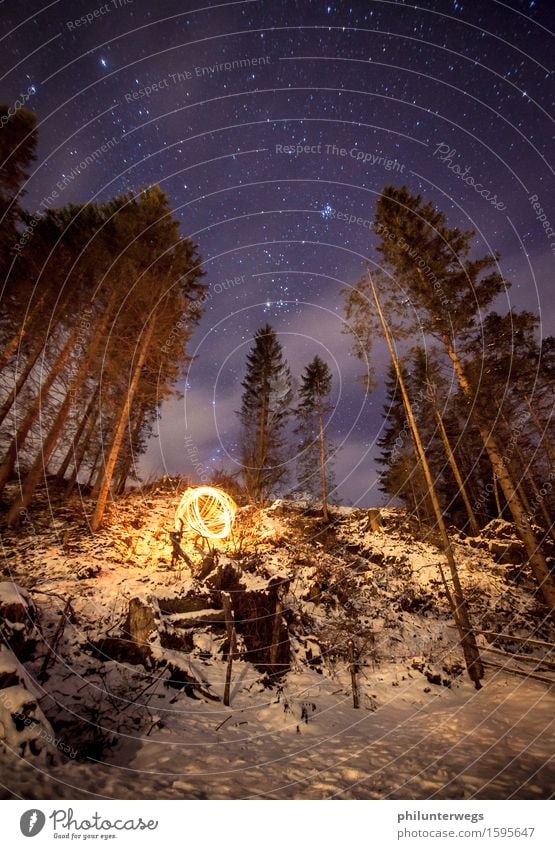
(202, 98)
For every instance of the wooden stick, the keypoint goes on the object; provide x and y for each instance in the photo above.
(224, 721)
(231, 640)
(550, 681)
(354, 668)
(274, 649)
(527, 658)
(456, 599)
(528, 640)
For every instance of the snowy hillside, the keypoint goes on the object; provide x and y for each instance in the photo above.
(115, 685)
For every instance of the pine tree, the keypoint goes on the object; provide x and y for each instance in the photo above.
(314, 475)
(265, 406)
(451, 292)
(456, 595)
(158, 321)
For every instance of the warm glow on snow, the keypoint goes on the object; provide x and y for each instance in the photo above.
(208, 511)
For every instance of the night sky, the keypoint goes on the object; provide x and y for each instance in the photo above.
(201, 99)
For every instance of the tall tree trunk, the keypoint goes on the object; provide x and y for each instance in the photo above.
(119, 488)
(129, 456)
(454, 466)
(460, 611)
(74, 441)
(542, 431)
(540, 501)
(80, 455)
(10, 458)
(537, 560)
(121, 419)
(39, 466)
(12, 346)
(94, 466)
(325, 512)
(21, 380)
(261, 449)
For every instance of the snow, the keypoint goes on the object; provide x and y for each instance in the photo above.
(138, 734)
(447, 744)
(10, 594)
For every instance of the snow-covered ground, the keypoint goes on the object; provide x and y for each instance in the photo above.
(157, 727)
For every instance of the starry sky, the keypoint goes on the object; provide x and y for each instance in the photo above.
(207, 100)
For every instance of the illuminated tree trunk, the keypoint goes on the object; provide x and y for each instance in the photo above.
(460, 612)
(39, 466)
(10, 458)
(20, 381)
(17, 338)
(119, 430)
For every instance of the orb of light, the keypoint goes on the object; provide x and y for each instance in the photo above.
(208, 511)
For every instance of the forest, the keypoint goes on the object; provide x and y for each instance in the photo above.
(100, 301)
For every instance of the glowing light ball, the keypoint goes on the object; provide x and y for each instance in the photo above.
(208, 511)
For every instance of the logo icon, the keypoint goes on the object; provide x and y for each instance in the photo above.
(32, 822)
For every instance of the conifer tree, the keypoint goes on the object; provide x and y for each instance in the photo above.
(265, 406)
(314, 475)
(451, 291)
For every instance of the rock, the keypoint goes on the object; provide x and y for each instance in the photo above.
(17, 620)
(88, 571)
(23, 726)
